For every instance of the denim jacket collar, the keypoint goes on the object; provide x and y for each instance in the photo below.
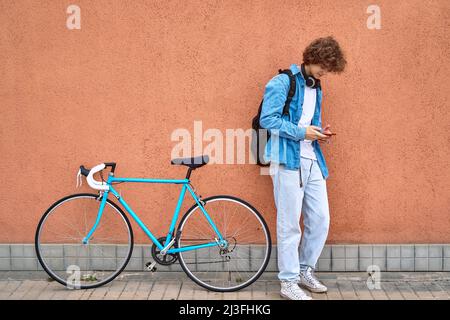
(295, 69)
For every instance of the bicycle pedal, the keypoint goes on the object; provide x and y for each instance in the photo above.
(150, 266)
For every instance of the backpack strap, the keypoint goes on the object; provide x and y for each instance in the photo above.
(291, 93)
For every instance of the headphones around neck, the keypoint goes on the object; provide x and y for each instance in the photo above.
(310, 80)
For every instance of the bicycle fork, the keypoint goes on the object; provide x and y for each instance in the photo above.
(103, 196)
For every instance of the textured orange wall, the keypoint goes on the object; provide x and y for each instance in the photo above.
(116, 89)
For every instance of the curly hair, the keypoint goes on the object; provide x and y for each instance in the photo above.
(327, 53)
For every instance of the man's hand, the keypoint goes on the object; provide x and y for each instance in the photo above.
(326, 131)
(313, 133)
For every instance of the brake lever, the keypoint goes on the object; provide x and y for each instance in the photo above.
(79, 180)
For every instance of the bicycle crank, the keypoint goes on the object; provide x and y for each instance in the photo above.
(164, 259)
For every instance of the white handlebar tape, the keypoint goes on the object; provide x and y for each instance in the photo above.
(94, 184)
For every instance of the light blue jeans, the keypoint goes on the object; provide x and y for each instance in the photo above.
(294, 251)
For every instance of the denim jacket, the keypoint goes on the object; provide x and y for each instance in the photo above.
(283, 146)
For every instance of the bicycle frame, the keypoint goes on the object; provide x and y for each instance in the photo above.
(186, 185)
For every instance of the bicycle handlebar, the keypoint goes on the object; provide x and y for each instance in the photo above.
(94, 184)
(89, 173)
(84, 171)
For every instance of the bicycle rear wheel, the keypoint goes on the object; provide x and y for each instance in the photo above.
(249, 244)
(59, 241)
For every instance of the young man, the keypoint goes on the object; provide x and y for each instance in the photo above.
(298, 167)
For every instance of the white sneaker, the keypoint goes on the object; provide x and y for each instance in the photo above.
(310, 282)
(290, 290)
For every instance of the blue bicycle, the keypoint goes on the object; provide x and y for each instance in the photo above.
(85, 240)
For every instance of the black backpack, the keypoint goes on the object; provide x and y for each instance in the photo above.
(260, 134)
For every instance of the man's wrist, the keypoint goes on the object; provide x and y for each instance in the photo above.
(301, 133)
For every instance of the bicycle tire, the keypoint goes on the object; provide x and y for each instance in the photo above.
(266, 259)
(50, 209)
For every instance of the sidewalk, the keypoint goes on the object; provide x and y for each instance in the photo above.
(174, 285)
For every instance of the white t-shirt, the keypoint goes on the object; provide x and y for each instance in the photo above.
(309, 105)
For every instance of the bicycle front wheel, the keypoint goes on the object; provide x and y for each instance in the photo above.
(60, 248)
(248, 249)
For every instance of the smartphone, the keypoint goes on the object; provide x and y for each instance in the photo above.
(333, 134)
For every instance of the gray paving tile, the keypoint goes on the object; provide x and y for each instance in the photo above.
(407, 264)
(406, 291)
(435, 251)
(326, 252)
(351, 264)
(438, 292)
(24, 264)
(365, 251)
(421, 264)
(446, 250)
(333, 290)
(144, 290)
(407, 251)
(5, 251)
(435, 264)
(351, 251)
(379, 293)
(9, 288)
(129, 290)
(338, 252)
(421, 250)
(172, 291)
(381, 263)
(5, 264)
(446, 266)
(379, 251)
(421, 290)
(338, 265)
(346, 290)
(393, 251)
(361, 290)
(115, 290)
(393, 264)
(392, 291)
(324, 265)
